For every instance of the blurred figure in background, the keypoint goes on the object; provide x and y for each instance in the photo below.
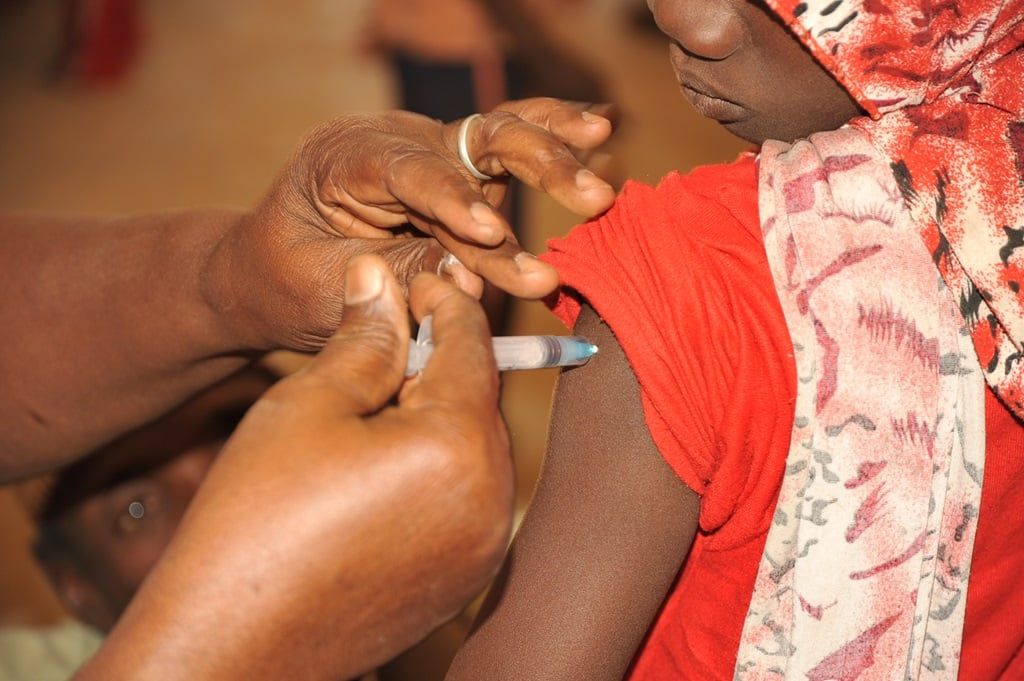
(454, 57)
(104, 522)
(99, 40)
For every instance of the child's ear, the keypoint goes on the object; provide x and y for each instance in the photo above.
(79, 595)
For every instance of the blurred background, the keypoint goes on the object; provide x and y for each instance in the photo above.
(114, 106)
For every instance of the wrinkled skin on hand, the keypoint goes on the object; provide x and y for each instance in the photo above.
(338, 526)
(356, 180)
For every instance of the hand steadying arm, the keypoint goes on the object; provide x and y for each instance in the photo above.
(608, 528)
(111, 322)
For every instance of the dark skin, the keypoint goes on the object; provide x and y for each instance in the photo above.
(611, 524)
(604, 537)
(118, 508)
(738, 52)
(293, 548)
(125, 318)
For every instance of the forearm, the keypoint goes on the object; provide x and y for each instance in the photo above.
(109, 322)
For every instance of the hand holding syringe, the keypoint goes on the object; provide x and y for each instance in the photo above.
(512, 352)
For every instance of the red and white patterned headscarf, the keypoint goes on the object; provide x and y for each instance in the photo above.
(943, 84)
(895, 245)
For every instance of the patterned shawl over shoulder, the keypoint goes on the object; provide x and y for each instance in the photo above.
(895, 246)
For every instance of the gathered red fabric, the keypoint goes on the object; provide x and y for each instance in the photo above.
(703, 330)
(680, 275)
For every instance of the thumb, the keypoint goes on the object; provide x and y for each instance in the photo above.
(364, 361)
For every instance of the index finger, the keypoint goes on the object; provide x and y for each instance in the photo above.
(461, 373)
(504, 142)
(438, 189)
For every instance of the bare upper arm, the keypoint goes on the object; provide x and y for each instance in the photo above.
(605, 535)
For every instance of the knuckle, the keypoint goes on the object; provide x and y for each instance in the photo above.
(498, 123)
(408, 120)
(400, 159)
(488, 493)
(468, 459)
(327, 147)
(549, 154)
(326, 137)
(452, 184)
(372, 343)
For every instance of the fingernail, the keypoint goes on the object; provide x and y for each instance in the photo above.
(593, 119)
(447, 264)
(586, 181)
(526, 262)
(486, 219)
(363, 283)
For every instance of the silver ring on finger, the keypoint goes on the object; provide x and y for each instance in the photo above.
(464, 156)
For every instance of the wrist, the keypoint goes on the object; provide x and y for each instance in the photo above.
(231, 283)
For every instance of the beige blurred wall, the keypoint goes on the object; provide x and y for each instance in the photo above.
(221, 94)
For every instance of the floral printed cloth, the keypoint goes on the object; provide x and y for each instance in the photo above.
(865, 568)
(895, 244)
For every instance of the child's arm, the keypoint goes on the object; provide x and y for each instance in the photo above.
(606, 533)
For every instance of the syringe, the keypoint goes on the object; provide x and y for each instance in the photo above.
(511, 352)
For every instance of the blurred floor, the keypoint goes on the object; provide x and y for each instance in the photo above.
(222, 93)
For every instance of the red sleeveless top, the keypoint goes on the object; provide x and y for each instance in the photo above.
(679, 274)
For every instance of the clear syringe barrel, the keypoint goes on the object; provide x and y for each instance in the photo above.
(513, 353)
(539, 352)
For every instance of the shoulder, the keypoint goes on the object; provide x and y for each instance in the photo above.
(682, 212)
(679, 275)
(658, 245)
